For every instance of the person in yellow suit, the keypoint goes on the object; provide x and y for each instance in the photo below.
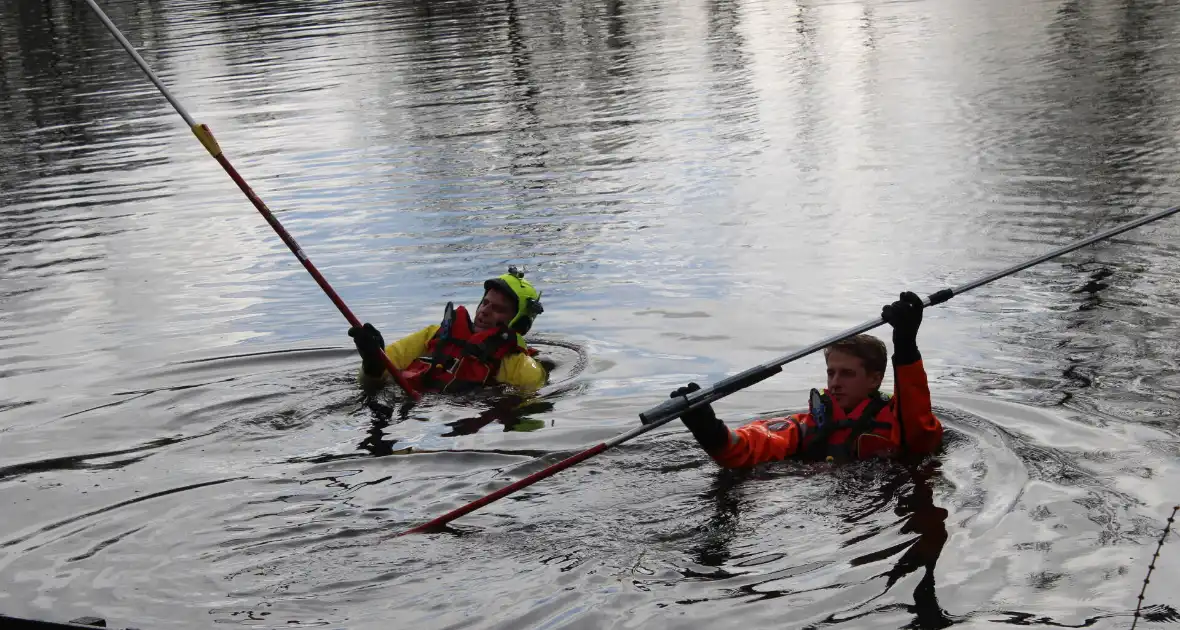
(462, 353)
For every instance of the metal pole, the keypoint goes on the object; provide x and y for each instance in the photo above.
(674, 408)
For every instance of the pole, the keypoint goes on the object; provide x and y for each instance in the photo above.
(204, 134)
(674, 408)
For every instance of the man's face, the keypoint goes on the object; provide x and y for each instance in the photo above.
(848, 382)
(494, 311)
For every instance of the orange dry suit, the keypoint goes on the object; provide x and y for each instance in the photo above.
(878, 426)
(458, 359)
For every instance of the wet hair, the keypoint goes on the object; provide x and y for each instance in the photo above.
(870, 350)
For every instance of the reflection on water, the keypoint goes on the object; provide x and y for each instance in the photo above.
(696, 187)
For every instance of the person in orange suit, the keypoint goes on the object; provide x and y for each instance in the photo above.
(851, 419)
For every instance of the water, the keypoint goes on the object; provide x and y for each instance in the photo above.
(697, 188)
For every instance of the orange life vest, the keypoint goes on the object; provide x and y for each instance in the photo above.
(869, 430)
(458, 359)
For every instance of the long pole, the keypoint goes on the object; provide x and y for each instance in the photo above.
(674, 408)
(210, 143)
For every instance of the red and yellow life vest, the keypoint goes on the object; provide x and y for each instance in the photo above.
(458, 359)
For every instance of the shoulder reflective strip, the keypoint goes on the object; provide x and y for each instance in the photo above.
(206, 137)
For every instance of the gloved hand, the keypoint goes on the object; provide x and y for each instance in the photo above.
(370, 345)
(905, 315)
(709, 431)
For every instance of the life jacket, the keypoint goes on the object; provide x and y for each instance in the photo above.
(458, 359)
(828, 433)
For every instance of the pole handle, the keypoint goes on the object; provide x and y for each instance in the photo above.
(938, 297)
(677, 406)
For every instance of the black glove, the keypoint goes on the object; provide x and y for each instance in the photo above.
(905, 315)
(710, 432)
(371, 346)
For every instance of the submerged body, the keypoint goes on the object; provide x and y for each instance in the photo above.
(415, 354)
(849, 420)
(461, 353)
(904, 424)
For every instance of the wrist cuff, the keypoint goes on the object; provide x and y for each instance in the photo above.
(905, 353)
(713, 436)
(373, 367)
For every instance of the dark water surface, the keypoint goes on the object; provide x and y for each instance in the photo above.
(697, 187)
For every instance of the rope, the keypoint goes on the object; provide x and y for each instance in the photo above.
(1151, 567)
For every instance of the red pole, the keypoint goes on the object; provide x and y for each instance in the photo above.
(507, 490)
(207, 139)
(210, 143)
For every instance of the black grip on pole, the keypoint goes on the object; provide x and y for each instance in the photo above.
(723, 388)
(669, 409)
(941, 296)
(742, 380)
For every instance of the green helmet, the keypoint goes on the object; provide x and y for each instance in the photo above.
(528, 299)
